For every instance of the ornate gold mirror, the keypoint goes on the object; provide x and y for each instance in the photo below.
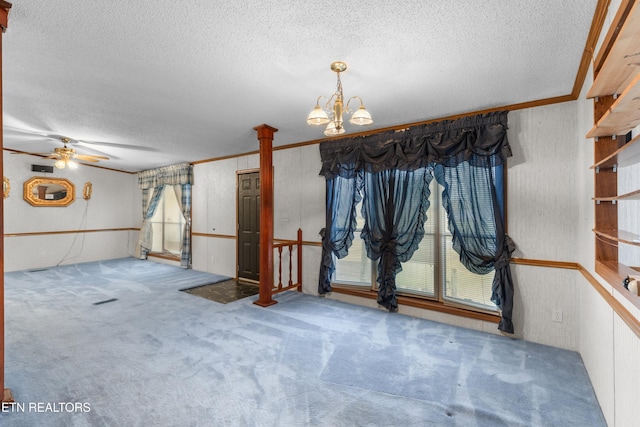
(6, 187)
(49, 191)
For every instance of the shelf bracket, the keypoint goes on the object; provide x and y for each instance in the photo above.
(613, 202)
(614, 137)
(597, 169)
(597, 202)
(615, 168)
(615, 96)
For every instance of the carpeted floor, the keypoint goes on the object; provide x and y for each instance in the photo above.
(159, 357)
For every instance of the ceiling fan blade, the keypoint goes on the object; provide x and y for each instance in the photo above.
(116, 145)
(89, 158)
(26, 152)
(92, 156)
(84, 147)
(29, 136)
(26, 132)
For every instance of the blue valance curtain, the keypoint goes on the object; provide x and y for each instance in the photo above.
(178, 174)
(152, 182)
(390, 172)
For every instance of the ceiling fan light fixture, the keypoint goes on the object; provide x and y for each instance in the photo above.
(72, 164)
(59, 164)
(332, 114)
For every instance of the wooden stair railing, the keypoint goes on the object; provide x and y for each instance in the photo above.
(285, 277)
(290, 244)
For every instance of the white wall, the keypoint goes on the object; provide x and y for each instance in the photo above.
(115, 203)
(542, 205)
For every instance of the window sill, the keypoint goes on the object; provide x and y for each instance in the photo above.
(419, 303)
(164, 256)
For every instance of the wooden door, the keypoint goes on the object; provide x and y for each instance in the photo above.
(249, 226)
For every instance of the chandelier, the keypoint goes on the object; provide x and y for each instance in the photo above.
(331, 115)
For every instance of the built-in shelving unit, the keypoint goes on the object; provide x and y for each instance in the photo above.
(616, 93)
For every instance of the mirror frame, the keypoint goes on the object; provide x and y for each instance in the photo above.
(34, 182)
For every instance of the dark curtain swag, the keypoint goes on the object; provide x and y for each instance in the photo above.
(391, 172)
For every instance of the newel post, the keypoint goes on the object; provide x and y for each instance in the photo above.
(6, 393)
(265, 136)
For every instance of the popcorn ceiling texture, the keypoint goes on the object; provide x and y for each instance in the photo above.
(191, 79)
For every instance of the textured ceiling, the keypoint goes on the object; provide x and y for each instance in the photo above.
(157, 82)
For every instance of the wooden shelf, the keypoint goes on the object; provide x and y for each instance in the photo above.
(627, 155)
(621, 63)
(623, 115)
(634, 195)
(619, 236)
(614, 273)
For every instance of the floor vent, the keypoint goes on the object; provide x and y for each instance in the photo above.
(105, 301)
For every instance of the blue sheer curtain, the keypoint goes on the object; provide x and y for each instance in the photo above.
(343, 195)
(467, 156)
(476, 222)
(394, 207)
(146, 233)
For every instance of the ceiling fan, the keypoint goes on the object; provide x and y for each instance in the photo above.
(66, 157)
(16, 140)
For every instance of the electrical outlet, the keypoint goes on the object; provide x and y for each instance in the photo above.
(556, 315)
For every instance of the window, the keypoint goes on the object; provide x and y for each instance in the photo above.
(168, 224)
(434, 271)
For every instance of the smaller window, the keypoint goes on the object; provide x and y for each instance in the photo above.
(168, 224)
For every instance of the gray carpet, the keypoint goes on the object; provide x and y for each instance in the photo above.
(159, 357)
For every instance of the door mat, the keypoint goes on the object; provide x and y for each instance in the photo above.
(225, 292)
